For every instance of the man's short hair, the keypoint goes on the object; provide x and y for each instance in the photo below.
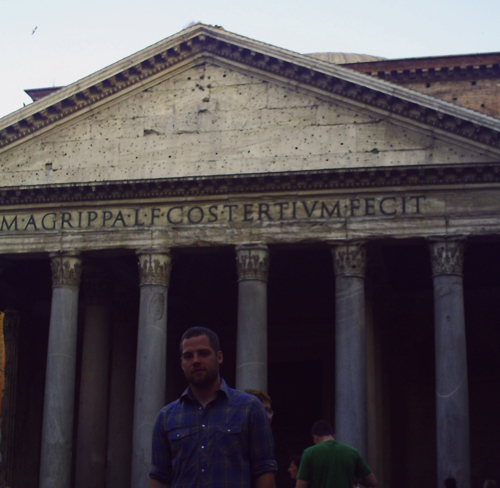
(490, 484)
(321, 428)
(213, 339)
(450, 483)
(261, 395)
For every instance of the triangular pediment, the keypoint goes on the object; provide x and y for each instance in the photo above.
(184, 48)
(204, 107)
(210, 120)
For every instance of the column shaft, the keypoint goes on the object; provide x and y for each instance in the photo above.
(93, 407)
(452, 397)
(350, 346)
(57, 432)
(251, 351)
(154, 268)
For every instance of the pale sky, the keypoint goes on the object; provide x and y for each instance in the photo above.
(74, 39)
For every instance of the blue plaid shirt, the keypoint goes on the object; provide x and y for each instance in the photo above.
(224, 445)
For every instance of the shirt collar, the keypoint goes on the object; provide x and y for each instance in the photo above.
(221, 392)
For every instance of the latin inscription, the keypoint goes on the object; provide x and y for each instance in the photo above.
(216, 213)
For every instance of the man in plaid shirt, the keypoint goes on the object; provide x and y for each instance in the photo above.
(212, 436)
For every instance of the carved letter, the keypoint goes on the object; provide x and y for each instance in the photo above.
(330, 213)
(247, 212)
(230, 207)
(13, 223)
(382, 209)
(91, 217)
(191, 221)
(170, 221)
(65, 219)
(309, 212)
(31, 221)
(119, 218)
(53, 222)
(211, 210)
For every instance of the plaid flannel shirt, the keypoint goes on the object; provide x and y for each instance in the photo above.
(224, 445)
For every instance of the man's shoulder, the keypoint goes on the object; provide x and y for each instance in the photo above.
(172, 406)
(330, 445)
(240, 397)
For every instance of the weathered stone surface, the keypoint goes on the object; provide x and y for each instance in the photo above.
(208, 120)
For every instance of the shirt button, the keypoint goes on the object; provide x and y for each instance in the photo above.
(203, 425)
(203, 447)
(199, 408)
(202, 470)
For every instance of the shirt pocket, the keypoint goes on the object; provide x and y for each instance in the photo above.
(229, 441)
(182, 441)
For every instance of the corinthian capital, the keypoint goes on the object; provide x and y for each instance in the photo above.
(349, 258)
(154, 266)
(66, 269)
(252, 261)
(447, 255)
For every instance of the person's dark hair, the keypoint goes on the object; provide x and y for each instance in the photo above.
(295, 459)
(450, 483)
(490, 484)
(321, 428)
(213, 339)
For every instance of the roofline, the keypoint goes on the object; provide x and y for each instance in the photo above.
(435, 115)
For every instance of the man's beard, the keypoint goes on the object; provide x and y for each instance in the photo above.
(205, 380)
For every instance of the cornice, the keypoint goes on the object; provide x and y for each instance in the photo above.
(213, 186)
(436, 68)
(433, 114)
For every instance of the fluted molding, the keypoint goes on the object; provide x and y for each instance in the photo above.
(154, 266)
(252, 261)
(349, 258)
(66, 269)
(447, 256)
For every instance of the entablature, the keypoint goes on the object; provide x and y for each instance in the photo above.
(341, 179)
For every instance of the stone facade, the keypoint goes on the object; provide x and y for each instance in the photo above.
(314, 216)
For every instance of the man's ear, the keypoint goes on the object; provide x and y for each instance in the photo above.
(219, 357)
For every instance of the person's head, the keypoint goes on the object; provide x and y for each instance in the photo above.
(320, 430)
(265, 399)
(294, 466)
(490, 484)
(450, 483)
(213, 338)
(200, 356)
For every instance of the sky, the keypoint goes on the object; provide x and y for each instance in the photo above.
(47, 43)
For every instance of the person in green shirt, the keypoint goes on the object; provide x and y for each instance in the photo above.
(331, 464)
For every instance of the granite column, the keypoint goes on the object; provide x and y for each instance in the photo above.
(251, 351)
(93, 405)
(150, 377)
(57, 431)
(349, 258)
(452, 397)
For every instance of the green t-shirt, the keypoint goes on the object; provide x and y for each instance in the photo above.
(331, 464)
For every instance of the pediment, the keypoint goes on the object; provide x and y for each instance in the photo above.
(212, 116)
(186, 47)
(211, 120)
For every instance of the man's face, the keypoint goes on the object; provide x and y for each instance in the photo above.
(199, 361)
